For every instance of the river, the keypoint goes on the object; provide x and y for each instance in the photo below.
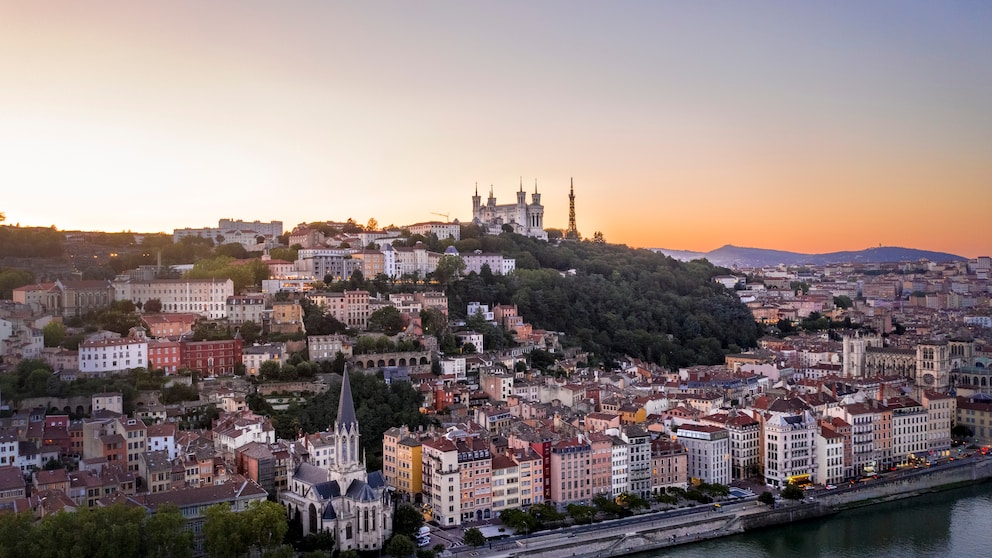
(946, 524)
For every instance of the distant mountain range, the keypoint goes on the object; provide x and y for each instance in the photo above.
(731, 256)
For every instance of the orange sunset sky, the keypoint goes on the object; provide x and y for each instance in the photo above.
(804, 126)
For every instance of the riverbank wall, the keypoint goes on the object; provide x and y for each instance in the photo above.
(912, 483)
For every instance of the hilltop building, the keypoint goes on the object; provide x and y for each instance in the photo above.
(249, 234)
(525, 218)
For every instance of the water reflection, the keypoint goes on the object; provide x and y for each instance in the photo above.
(947, 524)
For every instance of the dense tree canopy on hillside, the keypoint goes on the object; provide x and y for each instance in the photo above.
(30, 242)
(10, 279)
(378, 407)
(616, 300)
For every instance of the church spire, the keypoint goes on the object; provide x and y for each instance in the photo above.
(346, 405)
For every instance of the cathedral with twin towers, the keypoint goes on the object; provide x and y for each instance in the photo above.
(524, 218)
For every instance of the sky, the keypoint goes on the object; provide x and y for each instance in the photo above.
(803, 126)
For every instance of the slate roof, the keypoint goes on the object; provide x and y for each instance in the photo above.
(327, 490)
(377, 479)
(310, 474)
(361, 492)
(346, 405)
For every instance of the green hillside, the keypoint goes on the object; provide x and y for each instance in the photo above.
(617, 301)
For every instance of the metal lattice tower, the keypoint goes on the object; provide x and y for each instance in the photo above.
(572, 232)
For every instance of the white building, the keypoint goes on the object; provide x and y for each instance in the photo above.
(253, 357)
(505, 484)
(475, 261)
(639, 460)
(162, 437)
(338, 264)
(473, 308)
(414, 261)
(708, 451)
(745, 440)
(245, 308)
(618, 467)
(103, 356)
(442, 481)
(110, 401)
(206, 297)
(909, 429)
(453, 366)
(829, 457)
(941, 409)
(268, 230)
(442, 230)
(790, 444)
(523, 218)
(470, 337)
(9, 448)
(327, 347)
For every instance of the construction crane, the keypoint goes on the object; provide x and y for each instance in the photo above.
(445, 215)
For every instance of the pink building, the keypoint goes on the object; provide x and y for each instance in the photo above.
(571, 471)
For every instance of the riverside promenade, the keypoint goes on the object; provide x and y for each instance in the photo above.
(656, 530)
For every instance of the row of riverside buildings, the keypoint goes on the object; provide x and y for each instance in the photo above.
(527, 438)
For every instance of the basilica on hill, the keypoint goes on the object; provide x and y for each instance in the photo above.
(330, 489)
(525, 218)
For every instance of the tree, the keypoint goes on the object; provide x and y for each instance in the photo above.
(152, 306)
(607, 506)
(633, 502)
(767, 498)
(792, 492)
(546, 513)
(598, 237)
(581, 513)
(518, 520)
(165, 534)
(264, 524)
(223, 533)
(962, 432)
(54, 333)
(270, 370)
(387, 320)
(474, 537)
(407, 520)
(449, 268)
(16, 534)
(399, 546)
(10, 279)
(234, 250)
(250, 331)
(843, 301)
(372, 225)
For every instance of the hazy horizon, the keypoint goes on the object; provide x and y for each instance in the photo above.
(807, 127)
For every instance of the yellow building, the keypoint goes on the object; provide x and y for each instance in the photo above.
(402, 460)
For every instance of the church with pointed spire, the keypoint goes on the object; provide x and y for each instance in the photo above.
(329, 488)
(524, 218)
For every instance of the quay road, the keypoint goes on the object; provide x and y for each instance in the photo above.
(671, 518)
(646, 521)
